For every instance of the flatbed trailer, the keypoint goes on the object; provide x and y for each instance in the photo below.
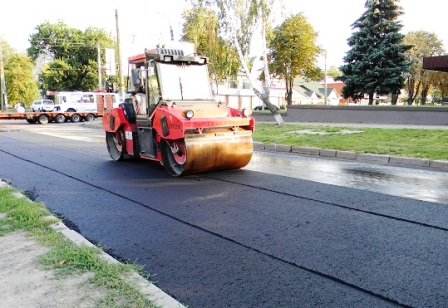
(44, 117)
(47, 117)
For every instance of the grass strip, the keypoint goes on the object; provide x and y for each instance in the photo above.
(418, 143)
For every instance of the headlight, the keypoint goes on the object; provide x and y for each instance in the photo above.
(189, 114)
(247, 112)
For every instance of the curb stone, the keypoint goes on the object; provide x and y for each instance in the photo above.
(277, 147)
(439, 164)
(305, 150)
(327, 153)
(346, 155)
(409, 161)
(258, 145)
(373, 158)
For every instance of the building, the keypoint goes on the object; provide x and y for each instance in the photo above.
(313, 93)
(238, 93)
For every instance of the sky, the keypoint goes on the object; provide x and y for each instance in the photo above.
(144, 23)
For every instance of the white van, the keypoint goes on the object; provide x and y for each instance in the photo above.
(75, 101)
(42, 105)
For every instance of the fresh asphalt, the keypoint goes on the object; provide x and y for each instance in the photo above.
(225, 246)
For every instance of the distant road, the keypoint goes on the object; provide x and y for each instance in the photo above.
(389, 115)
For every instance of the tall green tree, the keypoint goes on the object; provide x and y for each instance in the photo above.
(5, 50)
(20, 82)
(19, 78)
(75, 54)
(293, 51)
(201, 27)
(419, 80)
(376, 62)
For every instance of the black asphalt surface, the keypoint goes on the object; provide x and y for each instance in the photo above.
(239, 238)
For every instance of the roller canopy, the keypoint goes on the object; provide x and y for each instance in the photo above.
(439, 63)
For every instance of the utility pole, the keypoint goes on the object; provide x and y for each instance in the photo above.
(325, 55)
(120, 70)
(171, 28)
(100, 79)
(4, 97)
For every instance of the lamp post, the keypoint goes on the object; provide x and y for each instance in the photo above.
(100, 80)
(325, 77)
(120, 69)
(171, 28)
(4, 97)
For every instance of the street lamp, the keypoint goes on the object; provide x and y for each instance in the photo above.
(171, 28)
(4, 96)
(325, 77)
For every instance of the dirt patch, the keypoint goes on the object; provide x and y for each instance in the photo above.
(24, 282)
(313, 132)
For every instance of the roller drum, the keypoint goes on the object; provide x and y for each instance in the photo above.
(208, 152)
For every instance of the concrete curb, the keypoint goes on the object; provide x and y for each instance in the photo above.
(353, 156)
(149, 290)
(439, 164)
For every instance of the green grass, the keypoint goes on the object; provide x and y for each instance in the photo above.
(419, 143)
(65, 257)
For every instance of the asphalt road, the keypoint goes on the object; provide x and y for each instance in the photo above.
(239, 238)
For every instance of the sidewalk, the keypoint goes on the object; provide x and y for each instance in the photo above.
(371, 125)
(25, 282)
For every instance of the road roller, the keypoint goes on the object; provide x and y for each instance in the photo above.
(170, 115)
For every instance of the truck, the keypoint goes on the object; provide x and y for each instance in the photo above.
(173, 118)
(103, 102)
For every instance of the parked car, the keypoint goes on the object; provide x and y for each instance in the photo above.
(42, 105)
(261, 108)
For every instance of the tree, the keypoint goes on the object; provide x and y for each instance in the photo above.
(19, 78)
(201, 27)
(20, 83)
(376, 62)
(293, 51)
(5, 50)
(418, 80)
(75, 54)
(242, 20)
(334, 72)
(440, 87)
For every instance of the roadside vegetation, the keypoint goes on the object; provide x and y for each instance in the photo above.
(64, 256)
(418, 143)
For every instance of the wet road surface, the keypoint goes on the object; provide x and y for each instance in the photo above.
(421, 184)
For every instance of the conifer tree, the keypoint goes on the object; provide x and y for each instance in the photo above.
(376, 62)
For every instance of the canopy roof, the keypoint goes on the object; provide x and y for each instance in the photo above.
(439, 63)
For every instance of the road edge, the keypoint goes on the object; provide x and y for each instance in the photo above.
(441, 165)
